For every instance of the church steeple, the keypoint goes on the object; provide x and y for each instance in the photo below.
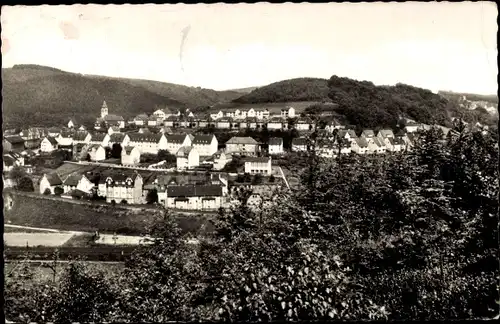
(104, 109)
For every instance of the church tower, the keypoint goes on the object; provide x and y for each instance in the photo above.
(104, 109)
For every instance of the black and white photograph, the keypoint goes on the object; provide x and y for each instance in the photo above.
(250, 162)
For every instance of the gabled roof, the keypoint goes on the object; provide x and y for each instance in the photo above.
(258, 159)
(184, 151)
(15, 139)
(114, 128)
(141, 117)
(8, 160)
(73, 179)
(80, 136)
(66, 133)
(145, 137)
(122, 175)
(299, 141)
(52, 140)
(351, 133)
(361, 141)
(275, 141)
(153, 118)
(368, 133)
(378, 142)
(172, 118)
(203, 139)
(176, 138)
(116, 137)
(53, 179)
(386, 133)
(98, 137)
(242, 140)
(194, 191)
(128, 149)
(54, 130)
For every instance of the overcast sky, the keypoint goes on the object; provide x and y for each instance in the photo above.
(438, 46)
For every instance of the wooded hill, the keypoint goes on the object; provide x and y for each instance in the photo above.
(46, 96)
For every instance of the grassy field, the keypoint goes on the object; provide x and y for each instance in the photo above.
(68, 216)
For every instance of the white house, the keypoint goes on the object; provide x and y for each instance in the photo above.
(242, 145)
(99, 139)
(288, 112)
(359, 145)
(195, 197)
(71, 123)
(65, 139)
(217, 115)
(48, 144)
(81, 137)
(304, 124)
(205, 145)
(78, 182)
(275, 123)
(276, 145)
(176, 141)
(221, 159)
(412, 127)
(385, 133)
(130, 155)
(148, 142)
(141, 120)
(187, 158)
(113, 129)
(118, 138)
(50, 181)
(125, 185)
(97, 152)
(162, 114)
(299, 144)
(368, 133)
(260, 165)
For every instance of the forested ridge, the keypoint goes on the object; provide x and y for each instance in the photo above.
(402, 237)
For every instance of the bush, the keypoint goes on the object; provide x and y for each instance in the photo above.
(25, 184)
(58, 191)
(47, 192)
(124, 202)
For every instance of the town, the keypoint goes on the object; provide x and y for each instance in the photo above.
(164, 159)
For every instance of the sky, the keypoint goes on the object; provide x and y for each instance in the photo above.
(437, 46)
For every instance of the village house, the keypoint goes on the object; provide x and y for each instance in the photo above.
(347, 134)
(77, 182)
(50, 181)
(195, 197)
(13, 144)
(217, 115)
(412, 127)
(176, 141)
(300, 144)
(81, 137)
(276, 145)
(385, 133)
(333, 124)
(48, 144)
(130, 155)
(394, 144)
(288, 112)
(65, 138)
(148, 142)
(33, 133)
(326, 149)
(154, 121)
(162, 114)
(368, 133)
(97, 152)
(109, 120)
(304, 124)
(187, 158)
(345, 146)
(54, 131)
(376, 145)
(262, 113)
(221, 159)
(359, 145)
(80, 152)
(71, 123)
(99, 139)
(260, 165)
(165, 130)
(118, 138)
(124, 186)
(242, 145)
(224, 123)
(275, 123)
(141, 120)
(113, 129)
(205, 145)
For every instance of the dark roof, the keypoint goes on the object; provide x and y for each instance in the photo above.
(184, 151)
(194, 191)
(368, 133)
(66, 133)
(53, 179)
(300, 141)
(54, 130)
(123, 175)
(176, 138)
(172, 118)
(128, 149)
(242, 140)
(260, 159)
(116, 137)
(8, 160)
(275, 141)
(16, 139)
(145, 137)
(141, 117)
(51, 140)
(203, 139)
(80, 136)
(72, 180)
(351, 132)
(113, 118)
(98, 137)
(361, 141)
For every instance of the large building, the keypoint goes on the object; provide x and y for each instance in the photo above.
(242, 145)
(206, 145)
(195, 197)
(124, 186)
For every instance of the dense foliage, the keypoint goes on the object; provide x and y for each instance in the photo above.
(401, 237)
(300, 89)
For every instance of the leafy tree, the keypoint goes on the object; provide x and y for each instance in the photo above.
(116, 151)
(152, 196)
(47, 192)
(164, 155)
(17, 173)
(25, 184)
(58, 191)
(124, 201)
(257, 179)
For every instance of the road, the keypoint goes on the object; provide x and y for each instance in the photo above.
(41, 229)
(284, 178)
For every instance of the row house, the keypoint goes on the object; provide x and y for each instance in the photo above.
(195, 197)
(275, 145)
(78, 182)
(81, 137)
(187, 158)
(96, 152)
(99, 139)
(118, 138)
(50, 181)
(261, 165)
(125, 186)
(241, 114)
(154, 121)
(206, 145)
(130, 155)
(48, 144)
(176, 141)
(148, 143)
(242, 145)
